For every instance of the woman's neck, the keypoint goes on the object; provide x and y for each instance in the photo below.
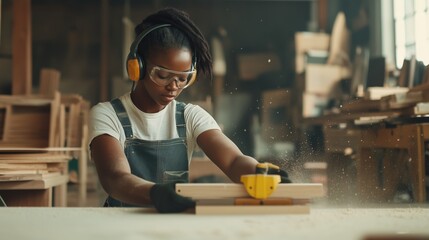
(144, 102)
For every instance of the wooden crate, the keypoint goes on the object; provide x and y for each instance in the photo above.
(28, 121)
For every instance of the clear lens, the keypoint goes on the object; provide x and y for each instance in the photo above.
(164, 77)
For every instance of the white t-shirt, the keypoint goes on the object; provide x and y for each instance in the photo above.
(150, 126)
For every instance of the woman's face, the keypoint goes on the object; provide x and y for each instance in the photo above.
(156, 96)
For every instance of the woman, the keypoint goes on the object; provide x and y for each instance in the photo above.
(142, 142)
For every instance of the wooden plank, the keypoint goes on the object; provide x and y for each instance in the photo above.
(60, 195)
(425, 130)
(83, 165)
(323, 14)
(73, 126)
(5, 172)
(104, 51)
(26, 166)
(69, 99)
(61, 136)
(21, 47)
(32, 157)
(235, 190)
(36, 184)
(249, 210)
(54, 119)
(270, 201)
(27, 177)
(49, 82)
(6, 122)
(416, 162)
(39, 149)
(2, 120)
(27, 100)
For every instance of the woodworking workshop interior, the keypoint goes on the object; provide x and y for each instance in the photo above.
(214, 119)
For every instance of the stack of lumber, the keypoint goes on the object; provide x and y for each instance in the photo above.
(232, 198)
(35, 166)
(40, 133)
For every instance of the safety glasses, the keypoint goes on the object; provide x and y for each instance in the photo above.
(163, 77)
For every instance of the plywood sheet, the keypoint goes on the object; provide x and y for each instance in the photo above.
(235, 190)
(250, 210)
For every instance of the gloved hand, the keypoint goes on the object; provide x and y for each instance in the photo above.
(269, 168)
(166, 200)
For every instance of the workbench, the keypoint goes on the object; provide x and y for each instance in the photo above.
(144, 223)
(401, 140)
(47, 192)
(411, 139)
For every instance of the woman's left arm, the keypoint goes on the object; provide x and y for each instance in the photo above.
(226, 155)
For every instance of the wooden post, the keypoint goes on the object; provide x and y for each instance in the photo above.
(0, 21)
(49, 82)
(323, 15)
(21, 47)
(104, 55)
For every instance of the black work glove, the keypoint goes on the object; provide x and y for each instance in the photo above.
(166, 200)
(270, 168)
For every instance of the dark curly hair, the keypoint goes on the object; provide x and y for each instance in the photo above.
(184, 33)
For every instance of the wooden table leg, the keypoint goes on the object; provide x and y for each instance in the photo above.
(83, 168)
(417, 164)
(60, 195)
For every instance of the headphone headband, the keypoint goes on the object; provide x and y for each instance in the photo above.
(139, 38)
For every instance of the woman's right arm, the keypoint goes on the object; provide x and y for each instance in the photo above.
(115, 174)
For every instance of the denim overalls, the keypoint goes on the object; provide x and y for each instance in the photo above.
(159, 161)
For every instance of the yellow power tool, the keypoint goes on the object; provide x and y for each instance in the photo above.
(261, 184)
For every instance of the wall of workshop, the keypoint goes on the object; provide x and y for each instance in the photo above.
(6, 47)
(66, 36)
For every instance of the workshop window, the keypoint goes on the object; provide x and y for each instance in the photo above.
(411, 18)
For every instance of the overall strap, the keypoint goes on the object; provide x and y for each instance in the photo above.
(180, 119)
(122, 116)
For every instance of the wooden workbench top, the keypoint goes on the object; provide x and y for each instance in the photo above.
(140, 223)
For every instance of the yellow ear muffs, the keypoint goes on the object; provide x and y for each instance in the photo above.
(134, 69)
(135, 65)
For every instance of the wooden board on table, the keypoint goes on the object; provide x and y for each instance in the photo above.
(33, 157)
(270, 201)
(38, 149)
(235, 190)
(23, 166)
(250, 210)
(27, 177)
(35, 184)
(29, 171)
(51, 167)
